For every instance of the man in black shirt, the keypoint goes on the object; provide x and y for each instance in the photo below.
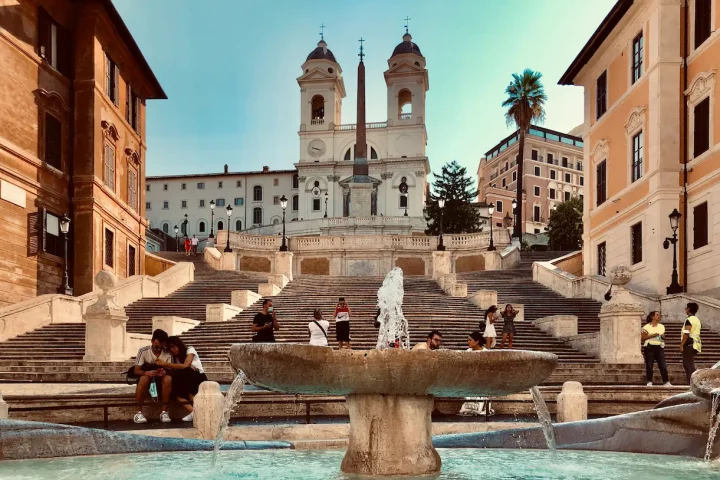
(265, 323)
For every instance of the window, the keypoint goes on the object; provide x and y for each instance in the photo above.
(165, 205)
(601, 253)
(701, 134)
(166, 227)
(109, 172)
(257, 193)
(550, 158)
(276, 200)
(54, 44)
(257, 216)
(567, 196)
(534, 154)
(147, 206)
(238, 184)
(637, 156)
(220, 184)
(220, 202)
(568, 178)
(202, 204)
(238, 225)
(109, 247)
(183, 204)
(553, 175)
(112, 82)
(552, 194)
(238, 202)
(536, 231)
(132, 189)
(51, 241)
(183, 186)
(536, 191)
(601, 186)
(700, 225)
(504, 182)
(183, 228)
(221, 225)
(295, 203)
(53, 141)
(702, 21)
(536, 213)
(201, 186)
(636, 243)
(201, 227)
(582, 197)
(165, 187)
(347, 155)
(637, 57)
(132, 109)
(131, 261)
(514, 177)
(316, 204)
(564, 162)
(276, 182)
(404, 201)
(537, 171)
(499, 206)
(601, 95)
(582, 180)
(295, 182)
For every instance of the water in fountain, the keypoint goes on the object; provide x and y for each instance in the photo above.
(545, 420)
(232, 397)
(393, 324)
(714, 422)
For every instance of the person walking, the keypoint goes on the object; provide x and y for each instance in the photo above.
(188, 245)
(187, 373)
(489, 329)
(318, 329)
(690, 344)
(508, 331)
(342, 323)
(653, 334)
(265, 323)
(194, 244)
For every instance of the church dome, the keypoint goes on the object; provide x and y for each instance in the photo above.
(322, 53)
(407, 46)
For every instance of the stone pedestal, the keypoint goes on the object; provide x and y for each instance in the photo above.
(105, 333)
(268, 289)
(447, 280)
(360, 199)
(484, 298)
(220, 312)
(620, 323)
(493, 260)
(244, 298)
(227, 261)
(208, 408)
(441, 264)
(558, 325)
(173, 325)
(284, 264)
(572, 403)
(3, 409)
(390, 435)
(278, 279)
(457, 290)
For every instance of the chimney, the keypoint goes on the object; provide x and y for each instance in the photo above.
(227, 169)
(266, 169)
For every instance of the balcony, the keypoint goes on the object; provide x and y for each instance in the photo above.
(317, 121)
(353, 126)
(405, 116)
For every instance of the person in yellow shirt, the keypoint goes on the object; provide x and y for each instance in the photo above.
(690, 344)
(653, 337)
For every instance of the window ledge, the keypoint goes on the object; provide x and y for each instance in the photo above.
(637, 266)
(700, 251)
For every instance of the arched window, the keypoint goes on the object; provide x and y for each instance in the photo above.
(238, 225)
(317, 110)
(295, 183)
(166, 227)
(276, 221)
(221, 225)
(201, 227)
(347, 155)
(405, 104)
(183, 228)
(373, 154)
(257, 216)
(295, 203)
(257, 193)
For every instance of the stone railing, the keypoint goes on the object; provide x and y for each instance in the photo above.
(54, 308)
(323, 226)
(155, 265)
(353, 126)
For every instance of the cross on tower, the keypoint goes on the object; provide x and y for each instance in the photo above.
(407, 24)
(322, 31)
(361, 54)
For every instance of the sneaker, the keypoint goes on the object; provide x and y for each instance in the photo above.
(667, 384)
(188, 418)
(139, 418)
(165, 418)
(649, 384)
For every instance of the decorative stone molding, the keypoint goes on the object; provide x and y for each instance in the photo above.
(386, 176)
(132, 156)
(52, 101)
(105, 303)
(601, 150)
(110, 130)
(636, 120)
(333, 178)
(420, 173)
(302, 179)
(702, 85)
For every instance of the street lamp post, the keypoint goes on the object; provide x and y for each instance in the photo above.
(674, 286)
(441, 204)
(326, 199)
(515, 217)
(212, 219)
(406, 203)
(491, 210)
(228, 210)
(176, 239)
(283, 204)
(185, 224)
(65, 228)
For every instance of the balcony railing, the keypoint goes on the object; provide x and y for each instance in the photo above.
(353, 126)
(317, 121)
(405, 116)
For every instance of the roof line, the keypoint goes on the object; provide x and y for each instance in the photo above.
(534, 127)
(213, 175)
(596, 40)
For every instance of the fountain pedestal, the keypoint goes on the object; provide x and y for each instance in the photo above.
(390, 435)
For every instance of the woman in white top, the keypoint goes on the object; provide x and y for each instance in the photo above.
(475, 405)
(187, 373)
(489, 333)
(476, 342)
(318, 329)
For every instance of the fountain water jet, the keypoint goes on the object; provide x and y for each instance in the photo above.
(714, 422)
(545, 420)
(233, 396)
(393, 324)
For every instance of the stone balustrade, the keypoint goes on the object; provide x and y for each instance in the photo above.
(173, 325)
(572, 403)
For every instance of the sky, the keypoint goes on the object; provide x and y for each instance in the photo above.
(229, 69)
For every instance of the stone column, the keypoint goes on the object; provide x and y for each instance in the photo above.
(572, 403)
(441, 264)
(620, 322)
(105, 334)
(208, 409)
(284, 264)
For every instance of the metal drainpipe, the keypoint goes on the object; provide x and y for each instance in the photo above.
(685, 149)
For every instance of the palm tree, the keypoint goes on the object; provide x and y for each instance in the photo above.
(525, 105)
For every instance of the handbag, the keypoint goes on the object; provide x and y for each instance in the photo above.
(321, 329)
(608, 294)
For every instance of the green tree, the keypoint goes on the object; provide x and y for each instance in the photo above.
(457, 188)
(565, 226)
(525, 105)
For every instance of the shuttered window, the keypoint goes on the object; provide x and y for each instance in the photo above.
(601, 95)
(54, 43)
(109, 164)
(601, 257)
(132, 189)
(53, 141)
(637, 159)
(702, 21)
(601, 182)
(700, 225)
(636, 243)
(701, 133)
(112, 80)
(637, 52)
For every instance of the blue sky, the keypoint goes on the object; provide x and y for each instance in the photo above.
(229, 70)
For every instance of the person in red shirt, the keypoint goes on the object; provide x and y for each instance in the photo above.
(342, 323)
(187, 246)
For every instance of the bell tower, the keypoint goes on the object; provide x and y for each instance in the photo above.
(321, 90)
(407, 82)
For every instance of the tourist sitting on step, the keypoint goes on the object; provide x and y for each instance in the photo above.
(508, 331)
(152, 378)
(342, 323)
(318, 329)
(433, 342)
(476, 405)
(653, 336)
(265, 323)
(187, 373)
(488, 326)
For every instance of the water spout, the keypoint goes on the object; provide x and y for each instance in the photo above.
(393, 329)
(714, 422)
(233, 396)
(545, 420)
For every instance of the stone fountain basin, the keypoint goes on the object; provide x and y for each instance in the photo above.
(306, 369)
(704, 381)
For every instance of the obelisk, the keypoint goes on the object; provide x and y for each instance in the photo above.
(360, 184)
